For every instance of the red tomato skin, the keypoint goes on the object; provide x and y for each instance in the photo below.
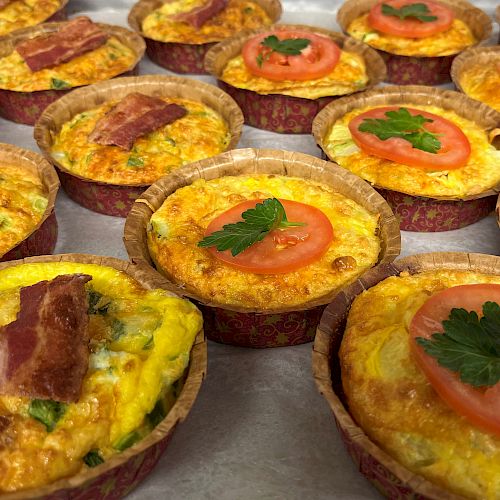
(303, 244)
(410, 27)
(317, 60)
(454, 152)
(480, 406)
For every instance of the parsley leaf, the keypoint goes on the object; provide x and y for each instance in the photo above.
(257, 223)
(403, 124)
(418, 11)
(289, 47)
(93, 458)
(135, 161)
(47, 412)
(469, 345)
(57, 84)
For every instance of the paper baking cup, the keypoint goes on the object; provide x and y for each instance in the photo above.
(278, 112)
(387, 475)
(421, 213)
(414, 70)
(477, 56)
(246, 326)
(119, 475)
(182, 57)
(497, 16)
(26, 107)
(498, 210)
(114, 199)
(42, 238)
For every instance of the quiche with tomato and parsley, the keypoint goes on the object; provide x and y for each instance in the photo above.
(420, 369)
(418, 39)
(281, 78)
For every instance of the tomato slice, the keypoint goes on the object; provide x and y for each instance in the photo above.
(315, 61)
(454, 152)
(410, 27)
(281, 251)
(479, 405)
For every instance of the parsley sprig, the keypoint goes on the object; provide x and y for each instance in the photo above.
(418, 11)
(403, 124)
(257, 223)
(469, 345)
(289, 47)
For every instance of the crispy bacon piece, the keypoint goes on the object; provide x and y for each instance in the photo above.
(44, 353)
(200, 15)
(74, 38)
(134, 116)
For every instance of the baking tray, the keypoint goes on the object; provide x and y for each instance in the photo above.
(259, 428)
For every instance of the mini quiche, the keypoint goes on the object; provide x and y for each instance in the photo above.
(17, 14)
(476, 72)
(28, 188)
(72, 404)
(421, 378)
(434, 145)
(33, 74)
(418, 39)
(281, 78)
(178, 33)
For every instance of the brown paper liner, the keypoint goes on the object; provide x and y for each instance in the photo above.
(113, 199)
(498, 210)
(278, 112)
(415, 70)
(497, 16)
(121, 473)
(26, 107)
(42, 238)
(387, 475)
(477, 55)
(182, 57)
(239, 325)
(456, 212)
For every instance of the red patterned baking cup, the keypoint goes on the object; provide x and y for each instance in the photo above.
(260, 330)
(41, 242)
(417, 213)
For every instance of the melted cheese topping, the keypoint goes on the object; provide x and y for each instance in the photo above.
(392, 400)
(348, 76)
(23, 13)
(237, 16)
(103, 63)
(180, 223)
(479, 174)
(140, 346)
(201, 133)
(22, 204)
(455, 39)
(482, 82)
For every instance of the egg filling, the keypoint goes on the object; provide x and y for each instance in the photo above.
(23, 202)
(237, 16)
(482, 82)
(139, 349)
(455, 39)
(201, 133)
(180, 223)
(23, 13)
(109, 60)
(392, 399)
(478, 175)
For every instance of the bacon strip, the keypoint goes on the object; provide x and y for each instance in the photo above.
(74, 38)
(134, 116)
(44, 353)
(200, 15)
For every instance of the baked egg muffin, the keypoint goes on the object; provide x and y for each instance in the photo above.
(17, 14)
(138, 349)
(288, 267)
(396, 399)
(200, 133)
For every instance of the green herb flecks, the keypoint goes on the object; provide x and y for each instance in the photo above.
(127, 441)
(93, 458)
(98, 304)
(257, 223)
(135, 161)
(469, 345)
(117, 329)
(57, 84)
(47, 412)
(418, 11)
(150, 343)
(289, 47)
(157, 414)
(402, 124)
